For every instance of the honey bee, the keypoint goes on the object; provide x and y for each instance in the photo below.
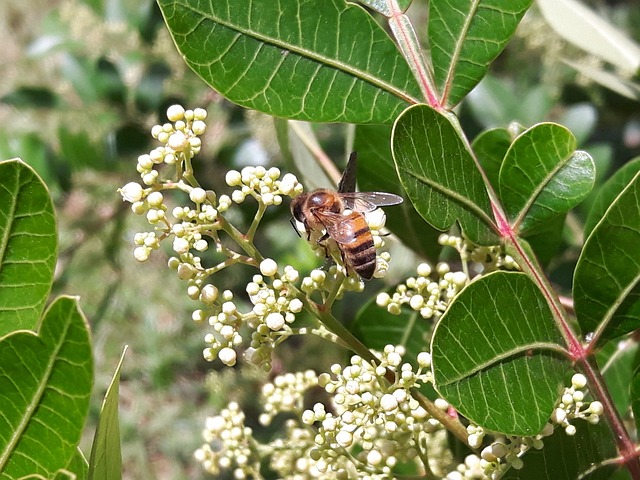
(325, 210)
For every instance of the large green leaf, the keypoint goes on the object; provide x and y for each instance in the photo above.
(376, 172)
(106, 456)
(45, 386)
(28, 246)
(634, 394)
(465, 36)
(605, 285)
(496, 354)
(439, 175)
(609, 192)
(543, 176)
(316, 60)
(570, 457)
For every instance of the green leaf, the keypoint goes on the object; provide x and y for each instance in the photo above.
(609, 192)
(45, 386)
(490, 148)
(78, 465)
(465, 37)
(570, 457)
(545, 239)
(617, 362)
(376, 328)
(316, 60)
(605, 285)
(587, 29)
(106, 456)
(376, 172)
(439, 175)
(543, 176)
(496, 354)
(613, 81)
(28, 246)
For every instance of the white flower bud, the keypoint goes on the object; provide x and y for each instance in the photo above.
(175, 113)
(199, 113)
(198, 127)
(376, 219)
(178, 141)
(596, 408)
(209, 294)
(424, 359)
(181, 245)
(155, 199)
(141, 254)
(197, 195)
(131, 192)
(233, 178)
(268, 267)
(344, 438)
(295, 305)
(275, 321)
(227, 356)
(579, 380)
(388, 402)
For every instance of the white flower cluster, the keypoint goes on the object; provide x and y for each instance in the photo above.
(572, 405)
(505, 451)
(491, 258)
(324, 282)
(375, 421)
(286, 394)
(228, 444)
(430, 298)
(262, 184)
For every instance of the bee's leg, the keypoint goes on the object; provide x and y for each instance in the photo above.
(322, 242)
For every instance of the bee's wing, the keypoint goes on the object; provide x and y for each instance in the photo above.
(348, 180)
(368, 201)
(340, 227)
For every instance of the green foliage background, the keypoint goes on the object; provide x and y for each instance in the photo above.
(83, 82)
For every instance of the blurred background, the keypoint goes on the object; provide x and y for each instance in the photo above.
(83, 82)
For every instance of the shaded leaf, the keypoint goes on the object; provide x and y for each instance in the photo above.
(376, 328)
(376, 172)
(543, 176)
(439, 175)
(28, 246)
(587, 29)
(609, 192)
(570, 457)
(490, 147)
(465, 37)
(617, 362)
(498, 340)
(317, 60)
(106, 455)
(545, 239)
(45, 386)
(605, 285)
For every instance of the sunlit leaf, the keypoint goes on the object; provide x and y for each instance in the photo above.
(382, 6)
(589, 31)
(106, 456)
(465, 37)
(439, 175)
(28, 246)
(543, 176)
(45, 386)
(615, 82)
(605, 285)
(498, 340)
(317, 60)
